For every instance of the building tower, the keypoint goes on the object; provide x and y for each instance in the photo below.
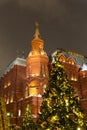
(36, 72)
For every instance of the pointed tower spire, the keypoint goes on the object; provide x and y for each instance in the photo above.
(37, 43)
(37, 33)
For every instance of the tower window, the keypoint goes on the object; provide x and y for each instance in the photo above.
(33, 91)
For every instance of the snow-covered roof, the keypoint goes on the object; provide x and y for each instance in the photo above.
(84, 67)
(17, 61)
(80, 59)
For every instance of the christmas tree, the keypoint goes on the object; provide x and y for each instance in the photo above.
(28, 123)
(4, 120)
(60, 109)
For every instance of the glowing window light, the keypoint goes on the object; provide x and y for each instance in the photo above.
(71, 78)
(74, 78)
(9, 83)
(62, 60)
(5, 86)
(7, 102)
(19, 112)
(11, 99)
(8, 114)
(73, 63)
(33, 91)
(33, 75)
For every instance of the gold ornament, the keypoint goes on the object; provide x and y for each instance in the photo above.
(54, 118)
(66, 100)
(80, 128)
(43, 124)
(50, 104)
(48, 129)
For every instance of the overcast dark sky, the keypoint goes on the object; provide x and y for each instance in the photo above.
(63, 24)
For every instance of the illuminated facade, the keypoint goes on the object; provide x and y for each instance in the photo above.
(36, 72)
(75, 66)
(24, 80)
(12, 87)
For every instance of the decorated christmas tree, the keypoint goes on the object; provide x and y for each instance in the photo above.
(60, 109)
(4, 120)
(28, 123)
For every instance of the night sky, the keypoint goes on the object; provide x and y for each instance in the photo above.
(63, 24)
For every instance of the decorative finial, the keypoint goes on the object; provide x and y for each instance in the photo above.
(37, 33)
(23, 54)
(37, 24)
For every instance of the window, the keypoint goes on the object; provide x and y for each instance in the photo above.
(11, 98)
(33, 91)
(62, 58)
(70, 60)
(19, 112)
(7, 101)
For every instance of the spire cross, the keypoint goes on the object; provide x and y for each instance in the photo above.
(37, 33)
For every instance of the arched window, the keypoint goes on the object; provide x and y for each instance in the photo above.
(33, 87)
(70, 60)
(62, 58)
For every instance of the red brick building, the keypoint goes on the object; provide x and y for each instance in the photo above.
(12, 85)
(24, 80)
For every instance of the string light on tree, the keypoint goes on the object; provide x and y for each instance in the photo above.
(80, 128)
(60, 108)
